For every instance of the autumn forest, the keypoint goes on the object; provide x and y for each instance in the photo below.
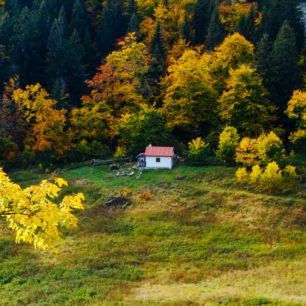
(82, 80)
(86, 85)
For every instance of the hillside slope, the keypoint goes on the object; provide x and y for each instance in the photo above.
(198, 241)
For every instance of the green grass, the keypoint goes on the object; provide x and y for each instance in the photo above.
(202, 240)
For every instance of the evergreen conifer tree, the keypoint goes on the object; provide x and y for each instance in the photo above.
(286, 75)
(112, 27)
(25, 58)
(186, 28)
(264, 61)
(158, 50)
(133, 25)
(79, 18)
(201, 20)
(275, 13)
(246, 25)
(215, 34)
(75, 68)
(55, 69)
(157, 65)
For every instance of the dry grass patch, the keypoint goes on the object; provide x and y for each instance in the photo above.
(282, 282)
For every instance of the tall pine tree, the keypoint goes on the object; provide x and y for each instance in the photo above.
(112, 27)
(75, 68)
(201, 20)
(263, 60)
(215, 33)
(186, 28)
(286, 73)
(246, 25)
(158, 61)
(56, 48)
(79, 18)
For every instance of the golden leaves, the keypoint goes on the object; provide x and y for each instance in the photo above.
(33, 215)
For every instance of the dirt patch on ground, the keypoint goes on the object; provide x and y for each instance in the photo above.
(81, 182)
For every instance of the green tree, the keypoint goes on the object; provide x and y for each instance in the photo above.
(75, 68)
(147, 127)
(286, 75)
(263, 61)
(275, 13)
(56, 55)
(201, 19)
(133, 26)
(246, 25)
(25, 57)
(112, 27)
(158, 61)
(186, 28)
(157, 49)
(79, 18)
(215, 33)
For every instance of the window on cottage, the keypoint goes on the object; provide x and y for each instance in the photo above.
(157, 159)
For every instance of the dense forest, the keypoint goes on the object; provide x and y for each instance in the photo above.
(85, 79)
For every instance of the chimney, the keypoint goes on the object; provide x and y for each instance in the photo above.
(150, 144)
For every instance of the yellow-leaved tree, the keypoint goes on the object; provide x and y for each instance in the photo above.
(190, 99)
(115, 90)
(244, 104)
(297, 110)
(232, 53)
(46, 124)
(33, 214)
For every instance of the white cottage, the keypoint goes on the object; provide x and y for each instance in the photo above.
(156, 157)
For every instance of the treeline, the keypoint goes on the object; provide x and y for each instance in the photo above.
(168, 72)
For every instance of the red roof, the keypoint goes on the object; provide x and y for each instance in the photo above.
(159, 151)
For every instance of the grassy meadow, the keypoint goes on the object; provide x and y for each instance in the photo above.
(202, 240)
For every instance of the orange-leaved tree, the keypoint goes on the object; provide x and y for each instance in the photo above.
(115, 90)
(45, 125)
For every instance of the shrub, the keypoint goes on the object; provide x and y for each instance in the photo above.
(242, 176)
(7, 148)
(255, 175)
(262, 150)
(198, 150)
(228, 143)
(246, 152)
(146, 196)
(270, 148)
(289, 177)
(271, 178)
(120, 152)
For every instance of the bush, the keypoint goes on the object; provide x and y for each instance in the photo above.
(255, 175)
(120, 152)
(290, 177)
(262, 150)
(198, 150)
(242, 176)
(271, 179)
(228, 143)
(7, 148)
(270, 148)
(246, 152)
